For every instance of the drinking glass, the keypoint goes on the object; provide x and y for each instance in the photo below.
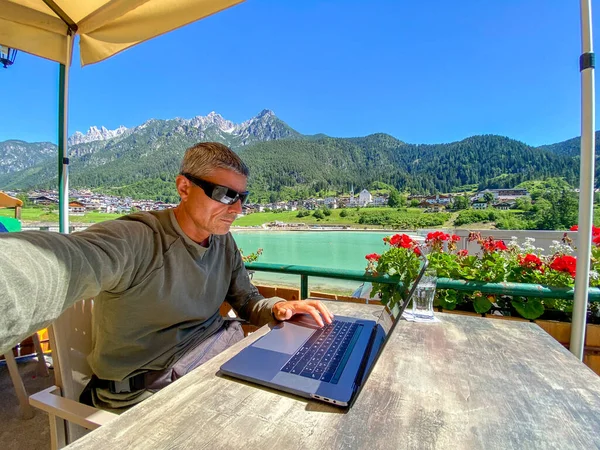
(423, 296)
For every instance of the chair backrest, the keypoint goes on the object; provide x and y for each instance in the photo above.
(71, 342)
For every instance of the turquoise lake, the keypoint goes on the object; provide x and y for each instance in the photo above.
(327, 249)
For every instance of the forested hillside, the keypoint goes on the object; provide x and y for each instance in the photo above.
(142, 162)
(303, 168)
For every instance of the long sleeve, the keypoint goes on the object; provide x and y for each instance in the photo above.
(42, 273)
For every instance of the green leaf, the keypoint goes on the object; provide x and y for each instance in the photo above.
(446, 299)
(530, 309)
(481, 304)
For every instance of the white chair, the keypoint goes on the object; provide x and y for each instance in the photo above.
(25, 411)
(71, 342)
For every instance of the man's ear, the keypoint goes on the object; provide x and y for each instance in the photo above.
(183, 186)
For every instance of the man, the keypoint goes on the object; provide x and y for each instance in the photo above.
(158, 279)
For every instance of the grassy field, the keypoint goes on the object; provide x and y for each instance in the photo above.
(351, 219)
(34, 214)
(291, 217)
(37, 214)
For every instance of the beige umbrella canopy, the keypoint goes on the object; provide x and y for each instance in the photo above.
(47, 28)
(105, 27)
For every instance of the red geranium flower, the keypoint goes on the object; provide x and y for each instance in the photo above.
(417, 251)
(373, 257)
(564, 263)
(530, 260)
(463, 252)
(500, 245)
(437, 236)
(490, 245)
(455, 238)
(402, 240)
(393, 241)
(595, 230)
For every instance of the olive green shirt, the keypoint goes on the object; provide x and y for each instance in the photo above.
(157, 292)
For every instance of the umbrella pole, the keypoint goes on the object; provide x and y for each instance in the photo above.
(586, 183)
(63, 152)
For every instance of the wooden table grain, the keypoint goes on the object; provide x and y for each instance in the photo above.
(463, 383)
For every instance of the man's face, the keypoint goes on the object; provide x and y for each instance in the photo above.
(199, 215)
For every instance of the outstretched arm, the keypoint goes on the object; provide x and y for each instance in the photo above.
(43, 273)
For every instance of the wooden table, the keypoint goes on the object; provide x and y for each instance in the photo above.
(466, 382)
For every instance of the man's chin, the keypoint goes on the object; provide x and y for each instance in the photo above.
(223, 228)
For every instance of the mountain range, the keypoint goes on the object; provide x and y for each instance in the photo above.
(142, 161)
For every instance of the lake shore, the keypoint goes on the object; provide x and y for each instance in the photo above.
(319, 229)
(82, 225)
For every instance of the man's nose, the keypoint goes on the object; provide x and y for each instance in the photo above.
(236, 207)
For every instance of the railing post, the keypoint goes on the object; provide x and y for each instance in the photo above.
(303, 287)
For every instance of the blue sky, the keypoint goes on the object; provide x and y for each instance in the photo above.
(424, 72)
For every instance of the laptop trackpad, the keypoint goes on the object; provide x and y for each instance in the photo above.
(285, 339)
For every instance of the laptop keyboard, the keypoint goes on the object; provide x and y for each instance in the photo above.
(325, 354)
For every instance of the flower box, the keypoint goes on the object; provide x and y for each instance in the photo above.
(497, 265)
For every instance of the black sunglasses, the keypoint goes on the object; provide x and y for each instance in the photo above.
(221, 194)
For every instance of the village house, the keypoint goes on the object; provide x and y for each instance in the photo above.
(504, 205)
(43, 200)
(76, 207)
(501, 194)
(435, 200)
(310, 204)
(479, 204)
(330, 202)
(250, 208)
(364, 198)
(380, 200)
(418, 197)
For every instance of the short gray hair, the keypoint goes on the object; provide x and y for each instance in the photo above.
(204, 157)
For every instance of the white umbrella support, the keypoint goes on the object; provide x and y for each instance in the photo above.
(586, 183)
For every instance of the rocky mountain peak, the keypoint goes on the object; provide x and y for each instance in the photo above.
(264, 126)
(95, 134)
(212, 119)
(265, 113)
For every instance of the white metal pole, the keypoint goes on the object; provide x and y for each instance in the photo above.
(586, 183)
(63, 154)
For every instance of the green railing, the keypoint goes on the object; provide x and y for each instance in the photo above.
(513, 289)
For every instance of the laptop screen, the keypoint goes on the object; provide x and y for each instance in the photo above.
(389, 316)
(388, 319)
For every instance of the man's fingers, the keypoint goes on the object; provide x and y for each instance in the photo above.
(324, 311)
(318, 311)
(284, 313)
(314, 312)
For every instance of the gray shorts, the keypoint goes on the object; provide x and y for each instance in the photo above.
(230, 333)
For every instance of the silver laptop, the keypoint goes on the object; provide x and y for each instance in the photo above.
(329, 364)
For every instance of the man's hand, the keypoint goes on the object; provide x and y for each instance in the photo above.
(285, 310)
